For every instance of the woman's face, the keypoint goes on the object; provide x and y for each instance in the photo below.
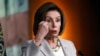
(53, 18)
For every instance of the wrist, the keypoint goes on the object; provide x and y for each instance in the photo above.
(37, 42)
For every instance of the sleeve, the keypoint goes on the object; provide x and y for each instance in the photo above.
(32, 49)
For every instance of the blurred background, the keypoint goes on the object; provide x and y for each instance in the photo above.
(14, 26)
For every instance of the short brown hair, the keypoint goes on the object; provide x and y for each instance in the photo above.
(41, 12)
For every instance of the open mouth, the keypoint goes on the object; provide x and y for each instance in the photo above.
(54, 31)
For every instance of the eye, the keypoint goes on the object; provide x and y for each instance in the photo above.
(58, 20)
(48, 20)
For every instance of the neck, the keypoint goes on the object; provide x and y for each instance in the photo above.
(52, 41)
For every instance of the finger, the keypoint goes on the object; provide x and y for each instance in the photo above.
(41, 22)
(44, 23)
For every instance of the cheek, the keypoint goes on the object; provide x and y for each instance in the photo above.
(58, 26)
(49, 25)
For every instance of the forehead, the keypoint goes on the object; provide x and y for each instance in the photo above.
(53, 13)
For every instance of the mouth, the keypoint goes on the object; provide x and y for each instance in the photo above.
(54, 31)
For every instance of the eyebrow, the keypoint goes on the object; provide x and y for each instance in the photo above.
(49, 16)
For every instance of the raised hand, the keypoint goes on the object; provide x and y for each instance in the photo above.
(42, 32)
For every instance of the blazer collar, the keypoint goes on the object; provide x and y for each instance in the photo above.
(45, 48)
(64, 47)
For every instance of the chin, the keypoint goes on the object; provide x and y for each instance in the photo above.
(54, 35)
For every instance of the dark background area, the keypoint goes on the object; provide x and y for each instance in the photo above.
(90, 27)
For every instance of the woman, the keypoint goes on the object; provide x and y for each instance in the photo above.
(48, 24)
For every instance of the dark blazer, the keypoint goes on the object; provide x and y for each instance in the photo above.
(45, 50)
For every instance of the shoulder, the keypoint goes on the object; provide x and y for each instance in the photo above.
(67, 43)
(26, 43)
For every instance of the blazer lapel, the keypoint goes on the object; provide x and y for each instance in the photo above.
(45, 49)
(64, 47)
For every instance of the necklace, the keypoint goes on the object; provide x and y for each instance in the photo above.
(57, 47)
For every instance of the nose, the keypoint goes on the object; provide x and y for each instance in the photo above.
(54, 25)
